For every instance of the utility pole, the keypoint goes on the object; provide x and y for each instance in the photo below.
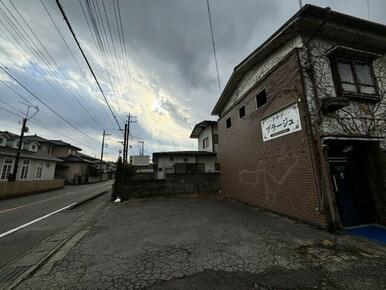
(103, 147)
(130, 119)
(125, 145)
(142, 148)
(12, 177)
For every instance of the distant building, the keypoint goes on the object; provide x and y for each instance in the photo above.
(206, 134)
(204, 160)
(76, 167)
(34, 164)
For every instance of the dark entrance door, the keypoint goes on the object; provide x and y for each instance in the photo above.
(344, 198)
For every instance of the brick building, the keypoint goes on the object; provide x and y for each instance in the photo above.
(302, 119)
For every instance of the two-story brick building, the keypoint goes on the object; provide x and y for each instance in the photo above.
(302, 121)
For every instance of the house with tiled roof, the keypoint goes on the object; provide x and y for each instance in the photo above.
(34, 164)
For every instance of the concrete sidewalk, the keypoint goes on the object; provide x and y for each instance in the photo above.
(207, 244)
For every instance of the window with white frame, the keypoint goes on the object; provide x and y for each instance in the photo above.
(24, 169)
(6, 170)
(39, 170)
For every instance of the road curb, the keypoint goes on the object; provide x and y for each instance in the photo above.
(88, 199)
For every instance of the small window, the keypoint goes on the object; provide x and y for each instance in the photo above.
(171, 158)
(215, 138)
(242, 112)
(217, 166)
(160, 169)
(205, 143)
(229, 123)
(261, 99)
(185, 159)
(356, 77)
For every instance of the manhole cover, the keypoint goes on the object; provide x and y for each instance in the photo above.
(9, 274)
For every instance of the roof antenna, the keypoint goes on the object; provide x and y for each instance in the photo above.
(300, 4)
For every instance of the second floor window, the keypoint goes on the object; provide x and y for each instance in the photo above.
(205, 143)
(356, 77)
(229, 123)
(242, 112)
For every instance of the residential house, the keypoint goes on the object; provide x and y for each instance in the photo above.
(302, 119)
(75, 168)
(34, 163)
(189, 162)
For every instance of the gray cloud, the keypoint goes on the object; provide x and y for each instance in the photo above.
(170, 42)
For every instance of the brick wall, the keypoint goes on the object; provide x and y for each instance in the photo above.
(277, 174)
(19, 188)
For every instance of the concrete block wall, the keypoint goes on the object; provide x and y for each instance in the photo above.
(173, 184)
(20, 188)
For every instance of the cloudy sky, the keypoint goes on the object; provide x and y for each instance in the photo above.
(163, 72)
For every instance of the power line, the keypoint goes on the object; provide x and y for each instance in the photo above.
(66, 96)
(213, 44)
(88, 64)
(72, 54)
(44, 103)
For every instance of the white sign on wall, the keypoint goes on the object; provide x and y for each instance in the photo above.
(284, 122)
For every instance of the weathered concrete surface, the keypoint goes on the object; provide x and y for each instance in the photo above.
(208, 244)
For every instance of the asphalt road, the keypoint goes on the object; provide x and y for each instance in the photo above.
(25, 221)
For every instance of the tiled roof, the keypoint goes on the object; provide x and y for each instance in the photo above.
(35, 138)
(76, 158)
(9, 135)
(198, 128)
(62, 143)
(7, 151)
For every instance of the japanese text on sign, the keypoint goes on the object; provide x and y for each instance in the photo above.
(282, 123)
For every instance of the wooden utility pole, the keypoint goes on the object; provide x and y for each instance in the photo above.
(12, 177)
(103, 146)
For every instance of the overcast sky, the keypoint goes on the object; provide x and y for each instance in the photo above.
(166, 78)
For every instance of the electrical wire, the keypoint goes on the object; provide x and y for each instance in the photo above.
(44, 103)
(213, 44)
(88, 64)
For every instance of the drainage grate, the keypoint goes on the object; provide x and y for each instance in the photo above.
(9, 274)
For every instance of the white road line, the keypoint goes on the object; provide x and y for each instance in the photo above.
(36, 202)
(34, 221)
